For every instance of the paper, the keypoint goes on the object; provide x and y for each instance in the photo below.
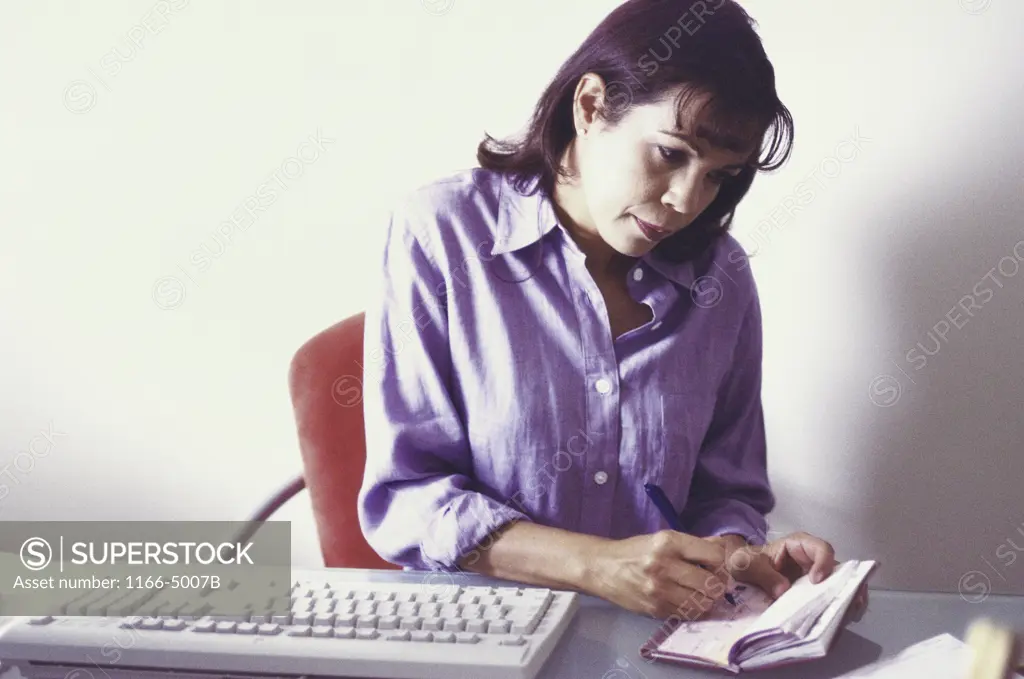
(940, 657)
(713, 635)
(805, 601)
(800, 624)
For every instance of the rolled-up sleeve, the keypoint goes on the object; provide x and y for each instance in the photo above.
(419, 505)
(730, 492)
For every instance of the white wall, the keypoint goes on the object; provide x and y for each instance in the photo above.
(115, 172)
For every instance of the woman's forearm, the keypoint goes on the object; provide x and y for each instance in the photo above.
(539, 555)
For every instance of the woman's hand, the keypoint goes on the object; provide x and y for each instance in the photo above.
(775, 566)
(658, 575)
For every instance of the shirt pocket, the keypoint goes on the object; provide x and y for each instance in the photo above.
(680, 440)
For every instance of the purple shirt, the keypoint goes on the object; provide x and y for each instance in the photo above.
(495, 392)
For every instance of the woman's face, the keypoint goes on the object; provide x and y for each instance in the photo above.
(643, 180)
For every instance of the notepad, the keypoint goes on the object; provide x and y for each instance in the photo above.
(758, 632)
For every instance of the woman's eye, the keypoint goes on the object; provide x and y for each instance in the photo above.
(675, 156)
(671, 155)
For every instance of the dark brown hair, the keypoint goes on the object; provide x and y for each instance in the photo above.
(644, 50)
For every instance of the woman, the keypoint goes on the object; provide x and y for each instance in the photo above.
(571, 321)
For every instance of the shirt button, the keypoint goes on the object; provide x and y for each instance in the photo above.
(603, 386)
(638, 274)
(600, 478)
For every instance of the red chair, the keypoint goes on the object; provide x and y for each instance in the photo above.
(325, 381)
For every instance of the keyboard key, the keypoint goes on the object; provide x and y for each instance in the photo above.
(493, 613)
(511, 641)
(348, 620)
(99, 606)
(432, 624)
(407, 609)
(204, 626)
(398, 636)
(365, 608)
(344, 632)
(421, 636)
(303, 619)
(131, 603)
(411, 622)
(498, 627)
(324, 619)
(524, 613)
(281, 619)
(386, 608)
(367, 634)
(225, 627)
(524, 627)
(280, 604)
(323, 631)
(246, 628)
(467, 638)
(151, 623)
(476, 626)
(388, 622)
(472, 611)
(194, 611)
(450, 611)
(454, 624)
(366, 622)
(174, 625)
(268, 629)
(444, 637)
(299, 631)
(303, 604)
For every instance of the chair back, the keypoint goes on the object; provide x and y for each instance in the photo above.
(326, 384)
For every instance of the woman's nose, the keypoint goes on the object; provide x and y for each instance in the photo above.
(684, 196)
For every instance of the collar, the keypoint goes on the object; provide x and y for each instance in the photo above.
(522, 219)
(525, 218)
(677, 272)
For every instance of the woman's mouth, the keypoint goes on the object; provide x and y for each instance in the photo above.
(650, 231)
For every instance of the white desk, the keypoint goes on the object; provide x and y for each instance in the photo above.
(602, 641)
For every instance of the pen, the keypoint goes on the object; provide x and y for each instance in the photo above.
(664, 506)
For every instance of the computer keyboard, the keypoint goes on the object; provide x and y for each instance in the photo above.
(327, 627)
